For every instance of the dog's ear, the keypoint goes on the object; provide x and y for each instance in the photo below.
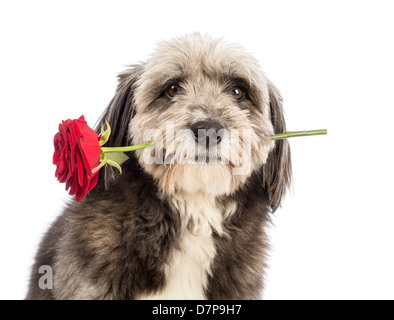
(119, 113)
(277, 170)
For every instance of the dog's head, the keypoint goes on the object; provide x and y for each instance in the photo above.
(210, 112)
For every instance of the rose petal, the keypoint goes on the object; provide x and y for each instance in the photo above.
(77, 151)
(74, 188)
(57, 142)
(71, 134)
(80, 169)
(93, 181)
(83, 190)
(88, 144)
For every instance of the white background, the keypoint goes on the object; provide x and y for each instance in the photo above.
(333, 63)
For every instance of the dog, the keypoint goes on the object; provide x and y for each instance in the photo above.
(177, 223)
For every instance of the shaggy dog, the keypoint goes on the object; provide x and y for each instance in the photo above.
(187, 218)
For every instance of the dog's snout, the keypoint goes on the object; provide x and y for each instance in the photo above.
(205, 131)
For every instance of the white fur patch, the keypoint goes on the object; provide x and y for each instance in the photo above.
(190, 264)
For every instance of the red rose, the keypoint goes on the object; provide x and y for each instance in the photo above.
(77, 152)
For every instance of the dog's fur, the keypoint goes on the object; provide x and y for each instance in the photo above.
(176, 231)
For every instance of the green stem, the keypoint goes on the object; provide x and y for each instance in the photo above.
(103, 162)
(125, 149)
(284, 135)
(290, 134)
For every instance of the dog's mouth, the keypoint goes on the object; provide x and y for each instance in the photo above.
(199, 159)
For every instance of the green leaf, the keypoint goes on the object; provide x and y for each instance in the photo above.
(104, 134)
(118, 157)
(114, 164)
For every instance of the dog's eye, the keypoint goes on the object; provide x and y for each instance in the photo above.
(238, 93)
(172, 91)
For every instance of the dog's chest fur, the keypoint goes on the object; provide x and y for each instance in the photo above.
(187, 246)
(190, 262)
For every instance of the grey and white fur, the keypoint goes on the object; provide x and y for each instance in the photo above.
(171, 230)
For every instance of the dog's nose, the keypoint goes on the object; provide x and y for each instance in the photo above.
(205, 131)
